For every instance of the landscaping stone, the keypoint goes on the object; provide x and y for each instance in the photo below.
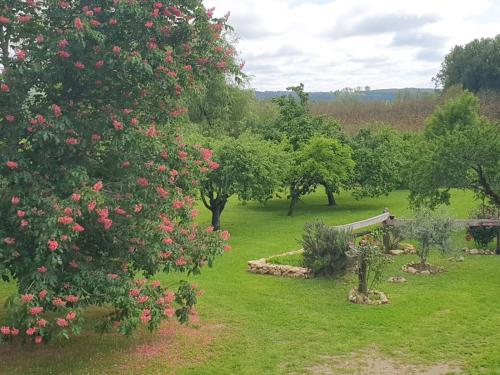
(374, 297)
(261, 267)
(415, 269)
(397, 280)
(478, 251)
(456, 259)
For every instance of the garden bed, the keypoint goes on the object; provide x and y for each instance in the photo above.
(422, 269)
(276, 266)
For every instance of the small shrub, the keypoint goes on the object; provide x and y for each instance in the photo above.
(432, 230)
(484, 234)
(325, 249)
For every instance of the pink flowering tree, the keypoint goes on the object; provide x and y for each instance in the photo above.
(95, 185)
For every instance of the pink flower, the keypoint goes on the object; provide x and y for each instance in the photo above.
(9, 118)
(138, 208)
(14, 331)
(75, 197)
(4, 88)
(146, 315)
(120, 211)
(117, 125)
(149, 24)
(58, 302)
(156, 284)
(71, 141)
(62, 322)
(64, 220)
(63, 43)
(57, 110)
(169, 312)
(78, 24)
(91, 206)
(9, 241)
(95, 23)
(77, 228)
(21, 213)
(134, 121)
(43, 294)
(99, 64)
(20, 54)
(180, 262)
(15, 200)
(213, 165)
(5, 330)
(38, 340)
(4, 20)
(134, 292)
(31, 331)
(71, 316)
(188, 68)
(168, 241)
(42, 269)
(40, 38)
(53, 245)
(142, 299)
(68, 211)
(177, 205)
(79, 65)
(64, 54)
(225, 235)
(143, 181)
(116, 50)
(42, 323)
(170, 297)
(36, 310)
(11, 165)
(95, 138)
(26, 298)
(24, 18)
(161, 192)
(112, 276)
(73, 264)
(72, 298)
(227, 248)
(113, 21)
(97, 186)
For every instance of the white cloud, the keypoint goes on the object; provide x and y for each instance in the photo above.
(330, 44)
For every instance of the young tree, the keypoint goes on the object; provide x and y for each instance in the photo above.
(97, 189)
(321, 161)
(460, 150)
(250, 168)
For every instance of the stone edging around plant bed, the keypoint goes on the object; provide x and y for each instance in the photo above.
(261, 267)
(432, 271)
(362, 299)
(478, 252)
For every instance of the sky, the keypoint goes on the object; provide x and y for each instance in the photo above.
(332, 44)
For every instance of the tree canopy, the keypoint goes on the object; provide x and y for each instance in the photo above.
(473, 66)
(460, 150)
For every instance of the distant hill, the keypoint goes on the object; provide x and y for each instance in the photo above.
(384, 95)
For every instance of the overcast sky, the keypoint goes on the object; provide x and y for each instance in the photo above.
(331, 44)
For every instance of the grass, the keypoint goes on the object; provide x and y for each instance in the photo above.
(254, 324)
(296, 260)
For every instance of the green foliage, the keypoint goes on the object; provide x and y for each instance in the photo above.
(474, 66)
(250, 168)
(325, 248)
(432, 230)
(381, 158)
(460, 150)
(371, 263)
(321, 161)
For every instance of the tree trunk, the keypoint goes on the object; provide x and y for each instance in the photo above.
(363, 282)
(498, 241)
(331, 197)
(216, 212)
(293, 203)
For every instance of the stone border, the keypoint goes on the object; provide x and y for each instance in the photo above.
(479, 252)
(362, 299)
(413, 271)
(261, 267)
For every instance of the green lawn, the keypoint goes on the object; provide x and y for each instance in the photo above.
(253, 324)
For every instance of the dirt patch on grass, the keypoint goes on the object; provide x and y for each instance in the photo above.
(372, 362)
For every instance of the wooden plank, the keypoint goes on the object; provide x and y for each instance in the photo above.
(457, 222)
(366, 223)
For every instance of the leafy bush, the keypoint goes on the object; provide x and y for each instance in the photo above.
(430, 229)
(325, 248)
(484, 234)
